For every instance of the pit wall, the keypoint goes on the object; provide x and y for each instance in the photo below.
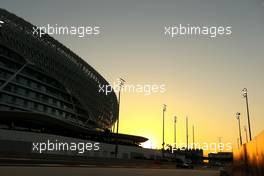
(249, 158)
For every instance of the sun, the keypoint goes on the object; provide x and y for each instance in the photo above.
(150, 144)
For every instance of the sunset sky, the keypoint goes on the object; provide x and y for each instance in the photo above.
(204, 77)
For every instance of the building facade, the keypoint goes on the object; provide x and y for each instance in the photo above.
(46, 88)
(41, 76)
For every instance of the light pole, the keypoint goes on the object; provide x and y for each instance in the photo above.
(187, 134)
(163, 130)
(193, 136)
(121, 84)
(175, 121)
(239, 127)
(245, 95)
(245, 129)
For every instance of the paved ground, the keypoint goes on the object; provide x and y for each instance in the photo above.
(84, 171)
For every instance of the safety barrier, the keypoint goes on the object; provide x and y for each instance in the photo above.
(249, 158)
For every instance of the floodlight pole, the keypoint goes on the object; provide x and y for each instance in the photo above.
(239, 127)
(193, 136)
(187, 134)
(121, 84)
(245, 95)
(163, 128)
(175, 121)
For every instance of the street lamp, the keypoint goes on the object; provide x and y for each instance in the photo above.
(187, 134)
(239, 127)
(245, 95)
(121, 84)
(163, 130)
(193, 137)
(175, 121)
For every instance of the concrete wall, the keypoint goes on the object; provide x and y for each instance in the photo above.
(249, 159)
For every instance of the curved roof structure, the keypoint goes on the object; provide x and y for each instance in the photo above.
(54, 59)
(57, 125)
